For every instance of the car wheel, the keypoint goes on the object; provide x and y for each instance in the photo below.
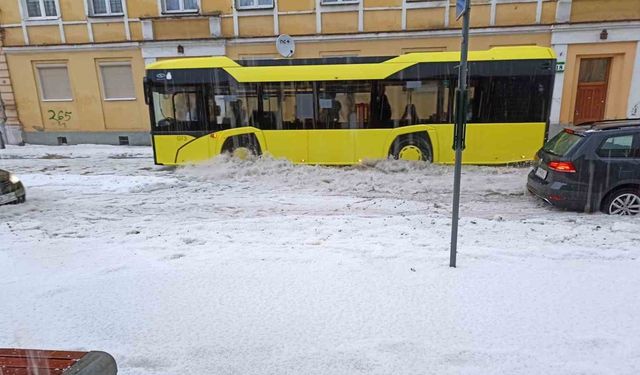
(623, 202)
(414, 148)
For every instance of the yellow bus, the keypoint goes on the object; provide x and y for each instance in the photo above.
(341, 111)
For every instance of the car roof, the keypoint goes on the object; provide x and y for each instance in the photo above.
(604, 125)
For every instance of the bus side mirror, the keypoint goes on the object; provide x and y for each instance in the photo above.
(147, 90)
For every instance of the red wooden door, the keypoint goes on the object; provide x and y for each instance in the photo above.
(591, 97)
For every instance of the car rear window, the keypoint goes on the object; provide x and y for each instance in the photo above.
(562, 143)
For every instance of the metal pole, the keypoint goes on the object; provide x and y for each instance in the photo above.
(458, 140)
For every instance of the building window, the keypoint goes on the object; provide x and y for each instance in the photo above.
(331, 2)
(254, 4)
(106, 7)
(179, 6)
(41, 8)
(117, 81)
(54, 83)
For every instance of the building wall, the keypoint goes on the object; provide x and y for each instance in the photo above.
(88, 110)
(143, 34)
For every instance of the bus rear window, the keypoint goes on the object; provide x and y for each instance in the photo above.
(562, 143)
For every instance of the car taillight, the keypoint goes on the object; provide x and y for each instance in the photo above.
(562, 166)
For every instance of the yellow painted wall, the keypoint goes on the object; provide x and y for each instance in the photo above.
(85, 112)
(298, 24)
(339, 22)
(72, 10)
(178, 29)
(383, 47)
(209, 7)
(515, 14)
(604, 10)
(142, 8)
(44, 35)
(623, 55)
(428, 18)
(296, 5)
(135, 28)
(255, 25)
(382, 20)
(76, 33)
(108, 32)
(226, 25)
(480, 16)
(13, 36)
(548, 12)
(9, 12)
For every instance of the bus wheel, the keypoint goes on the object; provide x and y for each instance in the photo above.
(242, 147)
(412, 147)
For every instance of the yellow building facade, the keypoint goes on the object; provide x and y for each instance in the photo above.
(71, 70)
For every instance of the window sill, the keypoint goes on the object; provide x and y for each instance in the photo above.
(40, 19)
(177, 13)
(354, 2)
(255, 8)
(120, 99)
(56, 100)
(113, 15)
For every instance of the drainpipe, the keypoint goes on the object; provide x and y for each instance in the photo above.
(3, 120)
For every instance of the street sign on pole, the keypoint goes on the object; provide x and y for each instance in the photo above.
(462, 8)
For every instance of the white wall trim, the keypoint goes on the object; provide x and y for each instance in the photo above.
(590, 33)
(164, 49)
(147, 29)
(25, 33)
(563, 11)
(558, 86)
(426, 4)
(127, 28)
(63, 37)
(633, 107)
(318, 18)
(403, 34)
(276, 21)
(492, 17)
(360, 16)
(73, 47)
(446, 14)
(539, 11)
(236, 27)
(403, 21)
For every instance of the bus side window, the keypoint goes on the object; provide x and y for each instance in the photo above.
(343, 105)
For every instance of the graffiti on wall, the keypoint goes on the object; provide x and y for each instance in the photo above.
(59, 118)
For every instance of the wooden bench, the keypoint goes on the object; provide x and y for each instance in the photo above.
(55, 362)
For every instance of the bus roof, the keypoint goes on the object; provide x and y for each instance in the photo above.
(348, 71)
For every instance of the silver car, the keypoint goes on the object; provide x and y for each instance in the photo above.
(11, 188)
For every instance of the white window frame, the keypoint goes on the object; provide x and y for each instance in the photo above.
(109, 13)
(43, 15)
(53, 65)
(254, 6)
(340, 2)
(163, 7)
(104, 93)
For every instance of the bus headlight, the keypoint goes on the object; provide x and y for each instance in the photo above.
(13, 178)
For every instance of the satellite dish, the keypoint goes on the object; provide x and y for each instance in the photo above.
(285, 45)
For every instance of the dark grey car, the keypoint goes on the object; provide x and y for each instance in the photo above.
(593, 167)
(11, 188)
